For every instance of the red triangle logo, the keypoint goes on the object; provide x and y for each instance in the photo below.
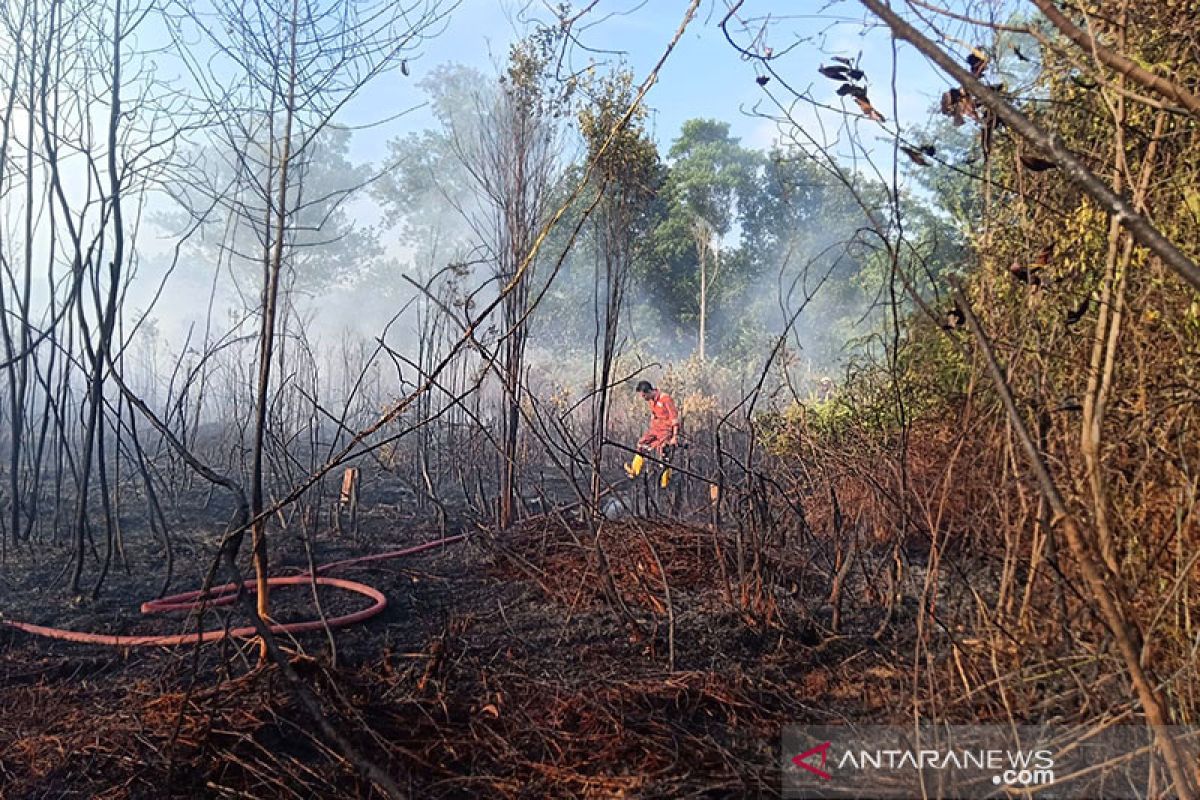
(823, 750)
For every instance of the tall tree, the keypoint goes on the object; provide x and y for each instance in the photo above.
(283, 71)
(512, 156)
(710, 176)
(627, 175)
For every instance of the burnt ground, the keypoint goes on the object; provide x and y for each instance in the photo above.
(502, 667)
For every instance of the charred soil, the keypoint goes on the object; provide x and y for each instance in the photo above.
(505, 666)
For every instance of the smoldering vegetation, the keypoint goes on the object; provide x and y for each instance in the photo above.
(936, 459)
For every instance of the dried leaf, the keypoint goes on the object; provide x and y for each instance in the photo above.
(1028, 275)
(869, 110)
(977, 61)
(1036, 164)
(958, 104)
(1191, 201)
(954, 319)
(1077, 314)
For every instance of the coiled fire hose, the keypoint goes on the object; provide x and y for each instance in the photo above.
(226, 594)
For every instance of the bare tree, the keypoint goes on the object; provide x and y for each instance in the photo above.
(512, 156)
(627, 178)
(93, 141)
(285, 70)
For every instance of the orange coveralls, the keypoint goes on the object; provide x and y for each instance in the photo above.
(664, 423)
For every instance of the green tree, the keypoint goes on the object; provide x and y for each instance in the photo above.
(426, 194)
(705, 192)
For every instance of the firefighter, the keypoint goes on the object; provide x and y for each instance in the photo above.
(663, 433)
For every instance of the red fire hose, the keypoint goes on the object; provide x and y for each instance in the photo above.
(224, 595)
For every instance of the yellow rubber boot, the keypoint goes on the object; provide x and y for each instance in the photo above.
(665, 479)
(635, 469)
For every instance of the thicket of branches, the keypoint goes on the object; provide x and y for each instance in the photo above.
(1006, 469)
(1032, 425)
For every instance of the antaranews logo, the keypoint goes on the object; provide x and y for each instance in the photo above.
(822, 749)
(1009, 767)
(969, 761)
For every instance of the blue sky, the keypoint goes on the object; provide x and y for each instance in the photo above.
(704, 77)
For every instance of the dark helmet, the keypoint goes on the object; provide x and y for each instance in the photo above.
(644, 386)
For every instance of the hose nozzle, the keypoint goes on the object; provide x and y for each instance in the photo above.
(634, 469)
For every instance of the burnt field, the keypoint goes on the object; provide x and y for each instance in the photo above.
(605, 399)
(504, 665)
